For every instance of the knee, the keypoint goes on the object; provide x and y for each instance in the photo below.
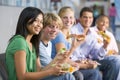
(96, 73)
(69, 76)
(78, 75)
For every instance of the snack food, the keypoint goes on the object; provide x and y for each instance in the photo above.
(62, 50)
(110, 52)
(99, 40)
(80, 37)
(104, 35)
(71, 69)
(67, 67)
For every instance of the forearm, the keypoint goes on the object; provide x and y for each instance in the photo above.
(35, 75)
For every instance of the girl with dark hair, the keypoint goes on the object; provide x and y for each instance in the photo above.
(22, 52)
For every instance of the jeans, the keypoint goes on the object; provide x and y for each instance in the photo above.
(91, 74)
(110, 67)
(78, 75)
(67, 76)
(112, 24)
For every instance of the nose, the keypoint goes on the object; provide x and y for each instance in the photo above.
(68, 19)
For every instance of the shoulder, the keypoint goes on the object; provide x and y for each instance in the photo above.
(17, 43)
(60, 34)
(76, 25)
(42, 45)
(110, 34)
(18, 39)
(59, 38)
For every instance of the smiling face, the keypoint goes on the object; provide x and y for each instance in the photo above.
(51, 31)
(67, 16)
(52, 24)
(102, 23)
(86, 19)
(36, 26)
(68, 19)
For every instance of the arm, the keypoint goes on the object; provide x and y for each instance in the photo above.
(20, 65)
(97, 51)
(113, 44)
(62, 43)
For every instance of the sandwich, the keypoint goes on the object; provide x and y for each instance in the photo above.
(104, 35)
(78, 37)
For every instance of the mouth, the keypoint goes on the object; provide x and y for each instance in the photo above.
(37, 29)
(52, 35)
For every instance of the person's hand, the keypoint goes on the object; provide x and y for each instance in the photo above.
(112, 52)
(93, 64)
(62, 56)
(87, 64)
(77, 40)
(106, 38)
(56, 69)
(105, 43)
(75, 64)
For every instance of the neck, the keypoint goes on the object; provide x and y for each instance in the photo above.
(28, 38)
(44, 40)
(65, 31)
(86, 30)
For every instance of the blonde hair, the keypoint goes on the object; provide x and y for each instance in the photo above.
(65, 9)
(50, 17)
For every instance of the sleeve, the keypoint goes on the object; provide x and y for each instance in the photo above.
(113, 43)
(45, 59)
(59, 38)
(97, 51)
(17, 44)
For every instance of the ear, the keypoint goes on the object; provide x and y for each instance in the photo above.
(80, 19)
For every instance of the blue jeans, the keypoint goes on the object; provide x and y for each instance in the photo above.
(110, 67)
(78, 75)
(91, 74)
(67, 76)
(112, 24)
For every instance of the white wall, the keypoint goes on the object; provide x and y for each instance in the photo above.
(8, 19)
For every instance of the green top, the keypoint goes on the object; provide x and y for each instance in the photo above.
(16, 44)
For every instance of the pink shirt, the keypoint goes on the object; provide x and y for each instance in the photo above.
(112, 11)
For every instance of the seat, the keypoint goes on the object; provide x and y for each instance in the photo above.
(3, 71)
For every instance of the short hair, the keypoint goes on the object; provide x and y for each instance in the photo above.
(101, 16)
(113, 4)
(50, 17)
(85, 9)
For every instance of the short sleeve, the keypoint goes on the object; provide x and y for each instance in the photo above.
(17, 43)
(59, 38)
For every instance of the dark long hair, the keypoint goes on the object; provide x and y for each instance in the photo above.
(27, 17)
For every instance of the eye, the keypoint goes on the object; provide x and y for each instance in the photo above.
(71, 17)
(51, 26)
(41, 22)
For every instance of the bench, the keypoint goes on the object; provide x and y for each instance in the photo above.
(3, 71)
